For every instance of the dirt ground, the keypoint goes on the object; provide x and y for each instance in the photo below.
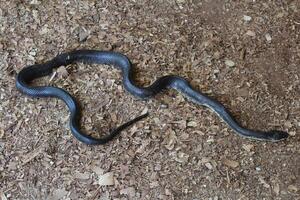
(245, 54)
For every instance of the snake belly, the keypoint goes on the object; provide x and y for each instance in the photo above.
(27, 74)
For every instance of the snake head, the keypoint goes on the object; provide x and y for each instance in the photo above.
(278, 135)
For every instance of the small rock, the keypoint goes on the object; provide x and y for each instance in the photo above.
(258, 169)
(34, 2)
(229, 63)
(250, 33)
(208, 166)
(268, 37)
(247, 18)
(292, 133)
(145, 110)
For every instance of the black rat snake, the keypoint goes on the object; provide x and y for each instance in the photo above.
(122, 62)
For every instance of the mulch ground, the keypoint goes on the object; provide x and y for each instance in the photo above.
(245, 54)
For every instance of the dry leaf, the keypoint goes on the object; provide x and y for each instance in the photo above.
(30, 156)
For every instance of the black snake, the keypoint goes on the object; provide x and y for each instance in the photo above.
(26, 75)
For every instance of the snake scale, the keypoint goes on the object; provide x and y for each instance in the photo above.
(27, 74)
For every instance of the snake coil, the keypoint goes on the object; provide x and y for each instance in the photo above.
(26, 75)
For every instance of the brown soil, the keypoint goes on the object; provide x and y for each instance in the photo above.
(182, 151)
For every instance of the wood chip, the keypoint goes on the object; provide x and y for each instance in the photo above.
(248, 147)
(170, 140)
(231, 163)
(276, 188)
(192, 124)
(106, 179)
(250, 33)
(81, 176)
(58, 194)
(31, 155)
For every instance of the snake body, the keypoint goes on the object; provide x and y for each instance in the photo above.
(26, 75)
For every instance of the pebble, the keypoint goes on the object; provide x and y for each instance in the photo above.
(229, 63)
(258, 169)
(268, 37)
(247, 18)
(250, 33)
(208, 166)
